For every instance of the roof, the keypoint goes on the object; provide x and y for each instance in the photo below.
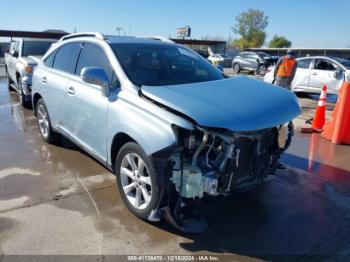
(197, 41)
(132, 39)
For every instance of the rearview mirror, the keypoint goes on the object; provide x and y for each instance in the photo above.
(96, 76)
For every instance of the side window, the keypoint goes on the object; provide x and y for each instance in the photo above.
(93, 55)
(321, 64)
(66, 57)
(49, 60)
(304, 63)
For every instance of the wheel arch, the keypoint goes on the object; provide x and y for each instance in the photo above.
(36, 97)
(118, 141)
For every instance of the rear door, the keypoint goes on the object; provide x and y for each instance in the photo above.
(54, 78)
(302, 75)
(86, 107)
(322, 73)
(252, 61)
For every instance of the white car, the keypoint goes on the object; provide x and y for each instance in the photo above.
(220, 59)
(314, 72)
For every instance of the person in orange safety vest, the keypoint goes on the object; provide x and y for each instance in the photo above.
(285, 70)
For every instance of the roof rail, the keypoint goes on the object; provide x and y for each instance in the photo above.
(160, 38)
(92, 34)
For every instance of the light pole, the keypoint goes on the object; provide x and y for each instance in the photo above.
(119, 29)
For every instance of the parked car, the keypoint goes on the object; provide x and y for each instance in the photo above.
(256, 62)
(314, 72)
(220, 59)
(162, 119)
(22, 57)
(232, 53)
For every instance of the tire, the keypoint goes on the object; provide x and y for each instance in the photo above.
(44, 123)
(21, 95)
(139, 181)
(262, 70)
(236, 68)
(9, 82)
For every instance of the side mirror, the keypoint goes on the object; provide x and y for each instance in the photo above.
(96, 76)
(338, 74)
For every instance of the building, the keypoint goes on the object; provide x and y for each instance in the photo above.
(203, 47)
(301, 52)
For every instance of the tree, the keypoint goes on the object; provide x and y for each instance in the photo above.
(279, 41)
(250, 25)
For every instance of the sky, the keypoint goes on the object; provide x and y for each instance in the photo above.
(307, 23)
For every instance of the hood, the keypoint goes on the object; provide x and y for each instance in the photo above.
(30, 60)
(237, 104)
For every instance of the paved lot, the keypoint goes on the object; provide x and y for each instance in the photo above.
(57, 200)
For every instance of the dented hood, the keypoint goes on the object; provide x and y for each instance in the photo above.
(238, 104)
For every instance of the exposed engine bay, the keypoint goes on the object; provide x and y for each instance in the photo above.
(216, 162)
(213, 163)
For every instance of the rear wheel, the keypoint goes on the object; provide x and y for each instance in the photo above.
(44, 123)
(236, 68)
(137, 181)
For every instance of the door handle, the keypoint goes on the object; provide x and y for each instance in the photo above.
(71, 90)
(44, 80)
(314, 74)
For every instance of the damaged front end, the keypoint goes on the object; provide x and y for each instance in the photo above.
(213, 163)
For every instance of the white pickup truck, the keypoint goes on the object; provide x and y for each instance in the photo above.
(23, 56)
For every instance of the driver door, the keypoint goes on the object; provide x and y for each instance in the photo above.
(86, 106)
(323, 73)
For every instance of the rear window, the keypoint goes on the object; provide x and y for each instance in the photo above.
(304, 63)
(35, 47)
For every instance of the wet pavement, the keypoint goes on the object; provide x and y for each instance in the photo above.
(58, 200)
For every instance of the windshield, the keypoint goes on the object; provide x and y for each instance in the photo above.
(343, 62)
(163, 64)
(35, 47)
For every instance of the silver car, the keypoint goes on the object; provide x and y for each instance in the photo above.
(256, 62)
(162, 119)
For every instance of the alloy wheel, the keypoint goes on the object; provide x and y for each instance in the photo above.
(136, 181)
(43, 121)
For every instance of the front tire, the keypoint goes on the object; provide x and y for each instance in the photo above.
(9, 82)
(44, 123)
(21, 95)
(262, 70)
(236, 68)
(137, 180)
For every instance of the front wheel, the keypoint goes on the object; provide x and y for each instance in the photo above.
(9, 82)
(236, 68)
(44, 123)
(137, 181)
(21, 95)
(262, 70)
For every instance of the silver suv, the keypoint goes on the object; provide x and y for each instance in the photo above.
(162, 119)
(256, 62)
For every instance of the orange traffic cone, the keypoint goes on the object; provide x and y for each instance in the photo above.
(320, 114)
